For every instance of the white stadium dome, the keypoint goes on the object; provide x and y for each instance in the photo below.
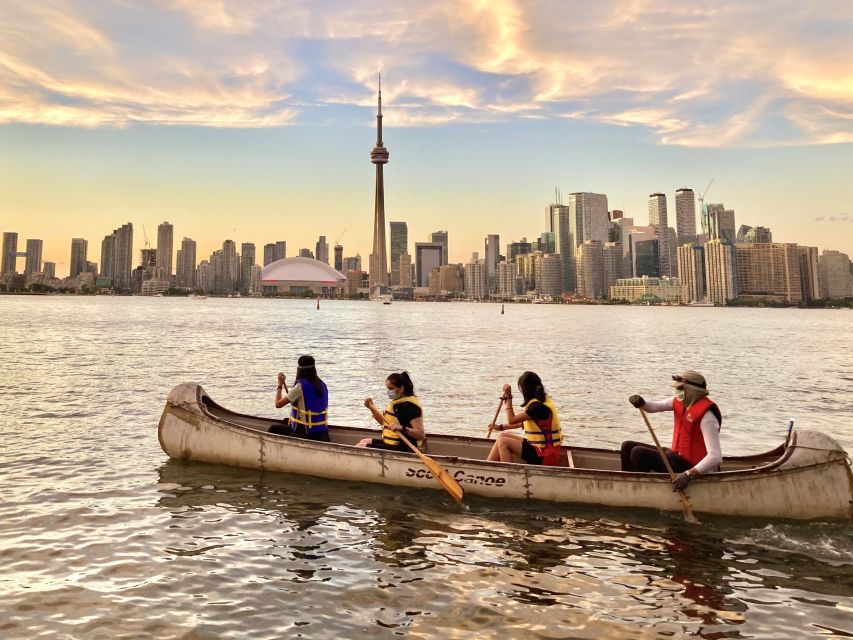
(301, 273)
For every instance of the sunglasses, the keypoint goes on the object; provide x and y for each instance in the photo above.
(685, 381)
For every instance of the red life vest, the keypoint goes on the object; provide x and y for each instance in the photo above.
(687, 438)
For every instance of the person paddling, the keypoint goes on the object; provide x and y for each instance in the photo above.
(403, 414)
(542, 435)
(695, 437)
(309, 402)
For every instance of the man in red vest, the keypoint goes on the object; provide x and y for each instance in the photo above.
(695, 437)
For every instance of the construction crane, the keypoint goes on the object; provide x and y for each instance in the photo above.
(145, 234)
(703, 212)
(338, 239)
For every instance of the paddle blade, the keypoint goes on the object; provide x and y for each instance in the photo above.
(447, 481)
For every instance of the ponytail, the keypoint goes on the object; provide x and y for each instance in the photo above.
(403, 380)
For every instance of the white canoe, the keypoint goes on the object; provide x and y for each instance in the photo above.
(810, 478)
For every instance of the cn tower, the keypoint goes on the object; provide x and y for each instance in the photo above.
(379, 257)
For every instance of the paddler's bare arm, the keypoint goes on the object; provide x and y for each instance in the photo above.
(279, 400)
(377, 414)
(513, 420)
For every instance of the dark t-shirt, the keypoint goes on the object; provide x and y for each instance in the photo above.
(406, 412)
(538, 411)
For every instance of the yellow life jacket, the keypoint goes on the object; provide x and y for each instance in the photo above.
(544, 432)
(389, 436)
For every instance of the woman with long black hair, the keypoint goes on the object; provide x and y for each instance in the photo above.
(403, 414)
(538, 416)
(309, 403)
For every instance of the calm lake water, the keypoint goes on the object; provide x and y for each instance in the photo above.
(102, 536)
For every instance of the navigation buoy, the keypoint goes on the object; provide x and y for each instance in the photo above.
(318, 304)
(502, 309)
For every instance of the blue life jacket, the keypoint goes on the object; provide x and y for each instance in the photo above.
(312, 409)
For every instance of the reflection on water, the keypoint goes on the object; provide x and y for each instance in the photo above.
(102, 537)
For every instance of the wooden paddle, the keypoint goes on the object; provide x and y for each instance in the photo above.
(497, 413)
(685, 504)
(447, 481)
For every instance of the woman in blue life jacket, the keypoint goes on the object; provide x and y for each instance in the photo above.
(402, 415)
(538, 416)
(309, 404)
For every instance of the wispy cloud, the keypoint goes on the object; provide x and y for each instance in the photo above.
(719, 74)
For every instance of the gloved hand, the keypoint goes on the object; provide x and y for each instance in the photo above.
(681, 481)
(637, 401)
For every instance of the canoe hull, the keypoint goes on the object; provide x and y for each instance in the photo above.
(810, 480)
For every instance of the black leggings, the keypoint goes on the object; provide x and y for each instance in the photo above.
(284, 429)
(637, 456)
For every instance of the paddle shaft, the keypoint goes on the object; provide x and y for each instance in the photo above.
(450, 485)
(685, 505)
(497, 413)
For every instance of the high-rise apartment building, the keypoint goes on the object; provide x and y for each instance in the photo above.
(274, 252)
(204, 277)
(108, 256)
(228, 275)
(493, 256)
(588, 217)
(658, 218)
(322, 250)
(549, 275)
(507, 277)
(624, 226)
(754, 234)
(685, 216)
(769, 269)
(722, 223)
(399, 246)
(407, 277)
(590, 269)
(352, 263)
(427, 257)
(546, 243)
(809, 273)
(10, 252)
(440, 237)
(79, 250)
(123, 258)
(165, 249)
(187, 276)
(476, 278)
(644, 249)
(564, 245)
(339, 257)
(450, 278)
(691, 269)
(247, 261)
(514, 249)
(835, 278)
(720, 275)
(33, 262)
(49, 269)
(613, 264)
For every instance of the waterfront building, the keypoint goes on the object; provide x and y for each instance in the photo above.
(405, 270)
(10, 252)
(507, 279)
(590, 269)
(247, 261)
(354, 279)
(613, 268)
(352, 263)
(123, 257)
(546, 243)
(493, 257)
(79, 249)
(685, 216)
(399, 246)
(588, 217)
(256, 289)
(49, 270)
(754, 234)
(108, 257)
(475, 278)
(691, 267)
(514, 249)
(525, 270)
(720, 276)
(625, 225)
(672, 247)
(644, 244)
(165, 247)
(835, 278)
(721, 223)
(230, 274)
(769, 269)
(564, 245)
(186, 271)
(549, 275)
(809, 273)
(379, 157)
(451, 278)
(440, 237)
(155, 286)
(204, 277)
(427, 257)
(339, 257)
(321, 250)
(658, 218)
(33, 261)
(647, 289)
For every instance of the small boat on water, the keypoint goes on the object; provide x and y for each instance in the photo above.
(806, 478)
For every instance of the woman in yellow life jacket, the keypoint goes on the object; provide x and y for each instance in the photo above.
(538, 416)
(402, 415)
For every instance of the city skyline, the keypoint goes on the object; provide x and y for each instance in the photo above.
(776, 143)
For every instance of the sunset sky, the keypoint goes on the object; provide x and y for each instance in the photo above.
(254, 120)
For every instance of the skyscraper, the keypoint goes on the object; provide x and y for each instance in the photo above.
(588, 217)
(590, 269)
(10, 250)
(747, 233)
(691, 269)
(49, 270)
(809, 273)
(123, 257)
(659, 220)
(493, 256)
(719, 271)
(77, 264)
(645, 252)
(399, 246)
(108, 256)
(187, 276)
(685, 215)
(230, 269)
(165, 237)
(379, 157)
(441, 238)
(427, 258)
(339, 257)
(769, 269)
(722, 223)
(322, 250)
(247, 261)
(475, 278)
(835, 278)
(33, 263)
(274, 252)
